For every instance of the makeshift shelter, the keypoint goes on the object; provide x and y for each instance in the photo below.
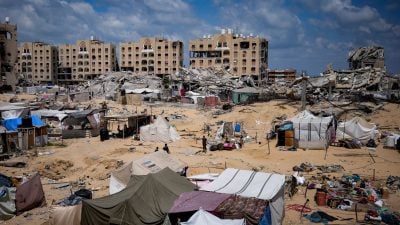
(194, 200)
(356, 128)
(159, 131)
(150, 163)
(146, 200)
(68, 215)
(80, 124)
(132, 121)
(202, 217)
(245, 95)
(252, 184)
(312, 132)
(29, 195)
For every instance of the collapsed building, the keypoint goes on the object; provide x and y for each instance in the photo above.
(8, 54)
(372, 56)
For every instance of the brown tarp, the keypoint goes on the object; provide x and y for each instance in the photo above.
(30, 195)
(237, 207)
(145, 201)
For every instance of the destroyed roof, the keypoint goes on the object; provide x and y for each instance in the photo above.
(366, 52)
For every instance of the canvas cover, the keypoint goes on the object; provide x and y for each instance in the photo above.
(159, 131)
(150, 163)
(356, 128)
(7, 202)
(202, 217)
(312, 132)
(68, 215)
(145, 201)
(252, 184)
(194, 200)
(29, 195)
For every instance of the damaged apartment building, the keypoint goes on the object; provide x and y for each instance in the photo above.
(240, 55)
(85, 60)
(152, 56)
(8, 53)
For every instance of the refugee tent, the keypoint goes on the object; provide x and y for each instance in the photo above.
(159, 131)
(312, 132)
(356, 128)
(252, 184)
(194, 200)
(29, 195)
(150, 163)
(202, 217)
(67, 215)
(146, 200)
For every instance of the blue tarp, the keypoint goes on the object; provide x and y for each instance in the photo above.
(12, 124)
(237, 127)
(266, 219)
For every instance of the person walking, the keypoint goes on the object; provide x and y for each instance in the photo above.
(204, 141)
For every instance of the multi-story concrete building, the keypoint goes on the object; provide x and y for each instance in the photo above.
(281, 76)
(8, 53)
(151, 55)
(85, 60)
(37, 61)
(242, 55)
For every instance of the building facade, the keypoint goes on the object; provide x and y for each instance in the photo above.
(85, 60)
(8, 53)
(281, 76)
(37, 62)
(241, 55)
(151, 55)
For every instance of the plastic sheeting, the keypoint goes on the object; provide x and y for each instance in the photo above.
(7, 202)
(202, 217)
(252, 184)
(356, 128)
(12, 124)
(159, 131)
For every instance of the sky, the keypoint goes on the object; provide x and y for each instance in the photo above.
(305, 35)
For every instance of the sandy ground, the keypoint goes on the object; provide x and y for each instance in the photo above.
(91, 161)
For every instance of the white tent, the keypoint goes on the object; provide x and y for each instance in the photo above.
(252, 184)
(312, 132)
(356, 128)
(160, 131)
(202, 217)
(150, 163)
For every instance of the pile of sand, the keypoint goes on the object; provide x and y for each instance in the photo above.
(55, 169)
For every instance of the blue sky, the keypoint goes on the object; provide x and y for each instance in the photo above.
(303, 34)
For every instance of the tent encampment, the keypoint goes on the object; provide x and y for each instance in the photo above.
(312, 132)
(150, 163)
(356, 128)
(146, 200)
(159, 131)
(202, 217)
(29, 195)
(252, 184)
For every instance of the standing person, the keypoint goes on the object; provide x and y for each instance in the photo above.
(156, 149)
(165, 148)
(241, 142)
(204, 141)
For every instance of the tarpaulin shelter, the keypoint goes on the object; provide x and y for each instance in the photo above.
(194, 200)
(29, 195)
(67, 215)
(150, 163)
(202, 217)
(145, 201)
(159, 131)
(313, 132)
(12, 124)
(245, 95)
(356, 128)
(251, 184)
